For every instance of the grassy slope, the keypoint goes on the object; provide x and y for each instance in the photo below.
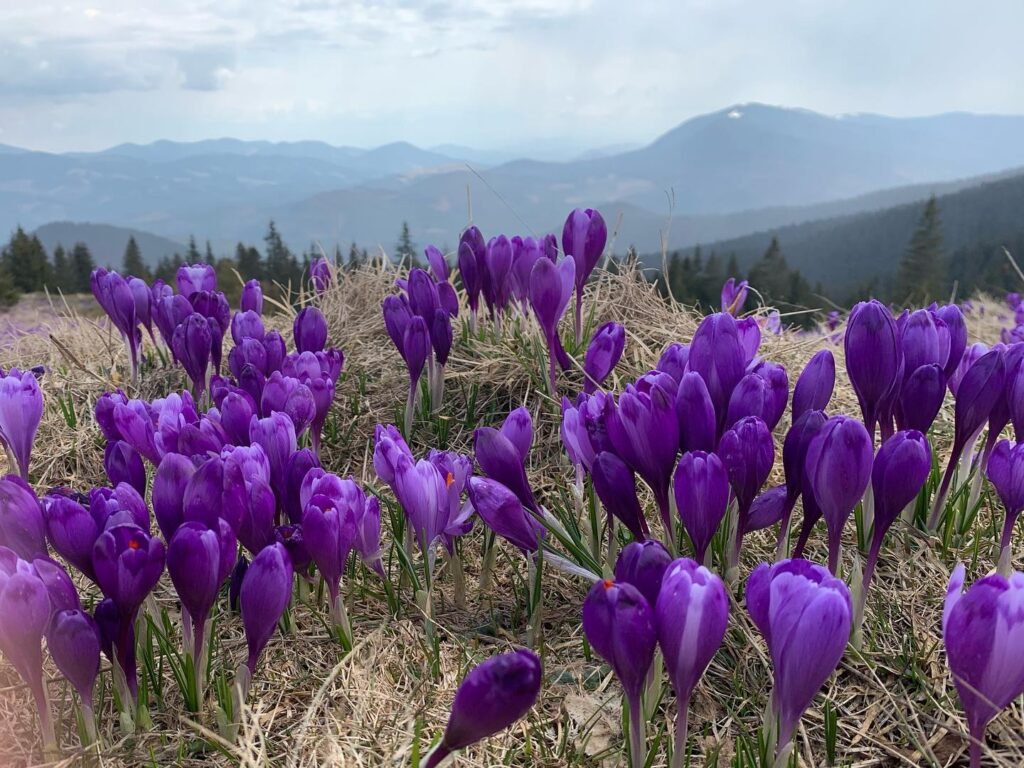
(311, 706)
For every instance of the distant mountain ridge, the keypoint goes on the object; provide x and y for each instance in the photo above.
(744, 168)
(106, 242)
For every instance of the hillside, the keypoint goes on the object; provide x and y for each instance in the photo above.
(106, 242)
(846, 253)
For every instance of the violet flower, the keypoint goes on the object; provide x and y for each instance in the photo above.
(550, 291)
(583, 239)
(615, 486)
(116, 298)
(814, 386)
(264, 595)
(643, 564)
(192, 278)
(74, 644)
(329, 530)
(717, 355)
(22, 528)
(602, 355)
(691, 614)
(1006, 473)
(191, 344)
(620, 626)
(122, 463)
(492, 696)
(804, 614)
(701, 488)
(873, 358)
(983, 629)
(321, 275)
(747, 452)
(252, 297)
(310, 330)
(471, 257)
(734, 296)
(21, 409)
(838, 467)
(503, 512)
(695, 411)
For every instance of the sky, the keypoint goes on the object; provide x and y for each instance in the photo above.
(522, 75)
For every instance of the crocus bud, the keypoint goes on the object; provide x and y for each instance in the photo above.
(583, 239)
(128, 563)
(503, 512)
(814, 386)
(310, 330)
(956, 327)
(673, 360)
(501, 460)
(619, 625)
(24, 617)
(696, 414)
(615, 486)
(734, 296)
(276, 435)
(416, 344)
(717, 355)
(921, 397)
(191, 343)
(74, 643)
(643, 564)
(603, 355)
(777, 380)
(493, 696)
(215, 491)
(644, 432)
(247, 325)
(550, 290)
(898, 474)
(471, 257)
(872, 351)
(838, 467)
(169, 483)
(329, 532)
(752, 397)
(21, 409)
(804, 614)
(264, 595)
(438, 263)
(123, 464)
(299, 463)
(104, 413)
(252, 297)
(794, 459)
(192, 278)
(576, 438)
(21, 519)
(702, 495)
(982, 630)
(321, 275)
(691, 614)
(1006, 473)
(72, 530)
(195, 567)
(236, 412)
(441, 335)
(747, 452)
(60, 588)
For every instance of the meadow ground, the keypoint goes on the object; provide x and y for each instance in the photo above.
(382, 704)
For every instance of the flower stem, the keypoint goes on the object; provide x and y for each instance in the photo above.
(679, 746)
(636, 734)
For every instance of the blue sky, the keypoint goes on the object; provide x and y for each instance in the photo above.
(521, 74)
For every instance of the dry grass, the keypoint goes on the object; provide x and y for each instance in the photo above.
(312, 706)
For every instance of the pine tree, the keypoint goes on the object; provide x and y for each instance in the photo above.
(81, 269)
(250, 263)
(61, 269)
(25, 261)
(8, 293)
(920, 274)
(281, 264)
(192, 257)
(210, 258)
(133, 263)
(405, 251)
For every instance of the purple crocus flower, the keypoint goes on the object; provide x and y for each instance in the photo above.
(73, 641)
(122, 463)
(603, 355)
(191, 344)
(192, 278)
(525, 253)
(216, 490)
(804, 614)
(673, 360)
(702, 496)
(956, 327)
(310, 330)
(495, 275)
(814, 386)
(24, 617)
(264, 595)
(643, 564)
(695, 411)
(691, 614)
(113, 293)
(143, 304)
(619, 625)
(423, 495)
(717, 355)
(838, 467)
(60, 588)
(198, 560)
(503, 512)
(921, 397)
(276, 435)
(873, 358)
(983, 630)
(73, 530)
(321, 275)
(550, 290)
(329, 532)
(290, 536)
(583, 239)
(615, 486)
(898, 474)
(976, 396)
(22, 528)
(644, 432)
(128, 564)
(501, 457)
(289, 396)
(416, 348)
(747, 452)
(576, 440)
(1006, 473)
(794, 460)
(472, 253)
(493, 696)
(169, 484)
(734, 296)
(252, 297)
(21, 409)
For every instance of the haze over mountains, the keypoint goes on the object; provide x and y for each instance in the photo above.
(743, 169)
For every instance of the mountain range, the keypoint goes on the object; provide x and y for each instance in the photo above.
(747, 168)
